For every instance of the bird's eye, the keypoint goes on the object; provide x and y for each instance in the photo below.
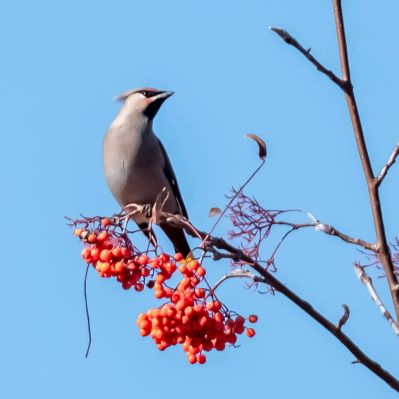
(144, 93)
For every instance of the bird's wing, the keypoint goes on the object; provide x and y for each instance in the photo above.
(171, 177)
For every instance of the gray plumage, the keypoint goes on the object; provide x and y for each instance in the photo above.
(136, 164)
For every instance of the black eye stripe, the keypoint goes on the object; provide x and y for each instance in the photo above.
(148, 93)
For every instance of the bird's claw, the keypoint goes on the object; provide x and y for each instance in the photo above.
(146, 210)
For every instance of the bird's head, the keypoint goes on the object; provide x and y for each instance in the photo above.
(144, 100)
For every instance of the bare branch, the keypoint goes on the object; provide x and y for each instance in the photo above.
(373, 366)
(372, 185)
(387, 166)
(332, 231)
(308, 308)
(344, 318)
(236, 274)
(293, 42)
(366, 280)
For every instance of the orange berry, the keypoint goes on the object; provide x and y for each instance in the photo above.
(220, 345)
(201, 358)
(142, 260)
(191, 358)
(183, 268)
(164, 258)
(92, 238)
(239, 329)
(102, 236)
(145, 272)
(105, 255)
(105, 267)
(201, 271)
(144, 333)
(160, 278)
(139, 287)
(199, 292)
(193, 265)
(170, 267)
(253, 318)
(105, 222)
(189, 311)
(178, 257)
(250, 332)
(217, 306)
(117, 252)
(86, 254)
(95, 253)
(218, 317)
(119, 266)
(125, 252)
(78, 232)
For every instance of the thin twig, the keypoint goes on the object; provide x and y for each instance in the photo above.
(235, 274)
(366, 280)
(344, 318)
(87, 311)
(332, 231)
(235, 196)
(387, 166)
(293, 42)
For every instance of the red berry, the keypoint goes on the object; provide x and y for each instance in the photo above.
(105, 255)
(191, 358)
(105, 222)
(250, 332)
(102, 236)
(253, 318)
(178, 257)
(139, 287)
(92, 238)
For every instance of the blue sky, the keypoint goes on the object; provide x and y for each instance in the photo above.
(62, 62)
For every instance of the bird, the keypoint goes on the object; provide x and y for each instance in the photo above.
(136, 165)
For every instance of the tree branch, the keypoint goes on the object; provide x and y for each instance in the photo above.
(372, 183)
(366, 280)
(293, 42)
(387, 166)
(361, 357)
(237, 274)
(330, 230)
(381, 247)
(267, 278)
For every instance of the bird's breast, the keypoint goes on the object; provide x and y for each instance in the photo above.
(133, 169)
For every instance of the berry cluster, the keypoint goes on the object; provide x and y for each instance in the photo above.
(112, 256)
(193, 318)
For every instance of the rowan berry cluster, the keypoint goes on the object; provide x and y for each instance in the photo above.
(192, 316)
(113, 256)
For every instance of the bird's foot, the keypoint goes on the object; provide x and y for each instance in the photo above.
(146, 210)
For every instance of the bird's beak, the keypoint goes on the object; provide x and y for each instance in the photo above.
(162, 96)
(155, 103)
